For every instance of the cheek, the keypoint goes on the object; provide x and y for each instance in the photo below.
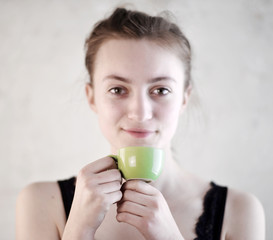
(109, 113)
(170, 112)
(106, 119)
(169, 116)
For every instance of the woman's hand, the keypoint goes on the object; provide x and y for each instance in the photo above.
(144, 207)
(97, 188)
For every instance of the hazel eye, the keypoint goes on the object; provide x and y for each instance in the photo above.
(161, 91)
(117, 91)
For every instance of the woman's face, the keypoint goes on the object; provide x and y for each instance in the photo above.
(137, 93)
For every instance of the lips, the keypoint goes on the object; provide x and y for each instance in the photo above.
(139, 132)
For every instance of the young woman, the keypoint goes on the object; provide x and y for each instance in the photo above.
(140, 84)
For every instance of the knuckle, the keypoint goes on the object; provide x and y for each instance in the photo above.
(116, 174)
(127, 194)
(151, 216)
(155, 205)
(147, 224)
(119, 193)
(85, 174)
(82, 181)
(124, 206)
(156, 214)
(158, 194)
(118, 196)
(138, 184)
(96, 194)
(134, 184)
(122, 217)
(109, 161)
(117, 185)
(99, 178)
(126, 217)
(144, 224)
(100, 200)
(82, 173)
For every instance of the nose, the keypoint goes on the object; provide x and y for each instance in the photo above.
(140, 108)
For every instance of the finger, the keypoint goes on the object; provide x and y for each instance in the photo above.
(136, 197)
(99, 165)
(103, 164)
(132, 208)
(140, 186)
(114, 197)
(108, 176)
(131, 219)
(110, 187)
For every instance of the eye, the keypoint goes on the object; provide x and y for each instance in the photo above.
(117, 91)
(162, 91)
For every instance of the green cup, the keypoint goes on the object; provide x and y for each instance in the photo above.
(139, 162)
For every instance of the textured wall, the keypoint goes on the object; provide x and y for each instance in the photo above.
(47, 131)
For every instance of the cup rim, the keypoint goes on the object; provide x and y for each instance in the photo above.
(147, 147)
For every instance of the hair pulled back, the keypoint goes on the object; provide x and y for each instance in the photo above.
(127, 24)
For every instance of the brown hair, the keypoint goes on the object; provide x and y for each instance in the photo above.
(128, 24)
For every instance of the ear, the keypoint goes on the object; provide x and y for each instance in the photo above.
(186, 98)
(89, 90)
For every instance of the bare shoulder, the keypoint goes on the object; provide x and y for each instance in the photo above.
(244, 216)
(39, 212)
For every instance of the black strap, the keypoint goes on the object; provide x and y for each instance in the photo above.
(209, 225)
(67, 188)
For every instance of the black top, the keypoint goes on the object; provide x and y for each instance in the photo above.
(209, 224)
(67, 189)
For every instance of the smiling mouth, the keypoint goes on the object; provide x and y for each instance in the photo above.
(139, 133)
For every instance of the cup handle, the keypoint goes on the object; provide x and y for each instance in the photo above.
(115, 158)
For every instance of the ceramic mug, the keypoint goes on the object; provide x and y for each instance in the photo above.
(140, 162)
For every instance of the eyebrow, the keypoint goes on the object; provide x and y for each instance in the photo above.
(116, 77)
(152, 80)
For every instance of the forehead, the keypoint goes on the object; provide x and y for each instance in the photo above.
(137, 58)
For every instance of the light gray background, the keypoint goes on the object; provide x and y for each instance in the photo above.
(47, 131)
